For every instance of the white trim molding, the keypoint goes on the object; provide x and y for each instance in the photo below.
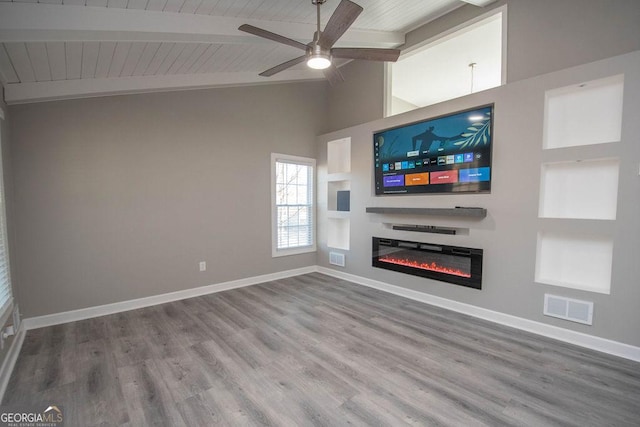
(311, 190)
(10, 360)
(583, 340)
(23, 93)
(118, 307)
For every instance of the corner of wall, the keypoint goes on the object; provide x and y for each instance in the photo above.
(360, 98)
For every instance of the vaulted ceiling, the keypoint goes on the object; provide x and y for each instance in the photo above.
(58, 49)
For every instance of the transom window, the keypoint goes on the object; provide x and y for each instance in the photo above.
(464, 61)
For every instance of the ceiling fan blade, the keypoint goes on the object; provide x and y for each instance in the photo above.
(333, 75)
(271, 36)
(271, 71)
(342, 18)
(368, 54)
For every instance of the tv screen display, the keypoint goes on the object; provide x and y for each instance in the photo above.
(446, 154)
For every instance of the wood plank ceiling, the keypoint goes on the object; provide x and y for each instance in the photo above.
(58, 49)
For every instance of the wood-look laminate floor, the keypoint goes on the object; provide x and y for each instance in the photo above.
(314, 350)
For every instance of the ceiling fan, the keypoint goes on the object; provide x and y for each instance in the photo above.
(320, 52)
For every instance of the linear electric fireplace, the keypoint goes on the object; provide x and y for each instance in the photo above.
(461, 266)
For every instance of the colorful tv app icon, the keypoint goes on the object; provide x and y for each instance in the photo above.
(459, 158)
(442, 160)
(475, 174)
(412, 164)
(418, 163)
(398, 166)
(416, 179)
(385, 167)
(451, 159)
(405, 164)
(393, 181)
(444, 177)
(468, 157)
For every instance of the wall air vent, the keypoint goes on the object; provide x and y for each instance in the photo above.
(568, 309)
(336, 258)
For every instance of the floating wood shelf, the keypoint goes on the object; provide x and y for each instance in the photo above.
(462, 211)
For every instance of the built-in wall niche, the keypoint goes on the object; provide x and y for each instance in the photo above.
(339, 156)
(584, 114)
(580, 189)
(338, 232)
(574, 261)
(337, 192)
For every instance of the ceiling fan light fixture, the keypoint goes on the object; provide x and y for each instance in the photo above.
(319, 58)
(319, 61)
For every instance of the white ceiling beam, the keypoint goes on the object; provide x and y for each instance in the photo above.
(31, 22)
(479, 3)
(22, 93)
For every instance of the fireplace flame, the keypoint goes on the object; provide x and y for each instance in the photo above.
(424, 266)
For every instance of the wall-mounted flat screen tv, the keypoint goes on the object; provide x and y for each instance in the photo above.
(446, 154)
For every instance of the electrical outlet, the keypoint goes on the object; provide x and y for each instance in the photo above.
(203, 265)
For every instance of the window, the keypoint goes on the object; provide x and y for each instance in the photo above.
(6, 299)
(293, 207)
(467, 60)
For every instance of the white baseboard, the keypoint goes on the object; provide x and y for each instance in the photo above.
(584, 340)
(118, 307)
(588, 341)
(10, 360)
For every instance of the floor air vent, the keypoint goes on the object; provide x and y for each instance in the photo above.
(336, 258)
(568, 309)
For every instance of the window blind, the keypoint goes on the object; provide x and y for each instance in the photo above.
(293, 204)
(5, 276)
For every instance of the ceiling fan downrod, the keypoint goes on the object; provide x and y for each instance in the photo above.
(318, 58)
(317, 3)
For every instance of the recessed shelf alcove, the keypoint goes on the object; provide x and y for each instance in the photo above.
(584, 114)
(338, 193)
(339, 156)
(333, 189)
(338, 233)
(580, 189)
(574, 261)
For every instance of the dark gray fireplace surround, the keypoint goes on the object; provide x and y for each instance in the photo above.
(452, 264)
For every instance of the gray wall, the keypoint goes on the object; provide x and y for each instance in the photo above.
(120, 197)
(509, 233)
(359, 98)
(542, 36)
